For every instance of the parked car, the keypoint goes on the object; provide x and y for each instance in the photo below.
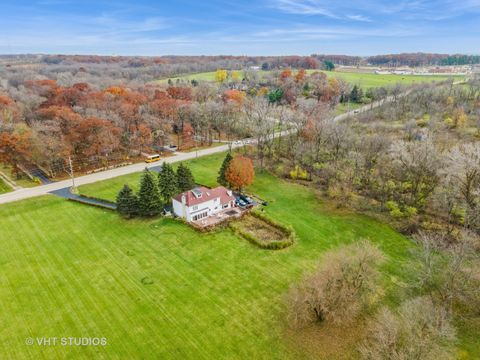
(247, 141)
(237, 142)
(239, 201)
(246, 199)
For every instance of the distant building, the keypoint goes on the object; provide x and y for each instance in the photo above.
(201, 202)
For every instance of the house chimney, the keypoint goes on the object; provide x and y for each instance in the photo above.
(229, 192)
(184, 206)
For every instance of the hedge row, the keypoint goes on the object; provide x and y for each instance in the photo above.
(288, 230)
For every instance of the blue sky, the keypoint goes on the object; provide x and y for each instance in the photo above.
(259, 27)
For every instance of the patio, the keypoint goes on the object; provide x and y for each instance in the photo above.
(219, 217)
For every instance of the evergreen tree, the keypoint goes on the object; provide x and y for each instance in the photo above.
(167, 183)
(185, 180)
(127, 202)
(149, 202)
(221, 179)
(356, 95)
(274, 96)
(328, 65)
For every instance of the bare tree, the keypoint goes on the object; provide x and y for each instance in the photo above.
(345, 282)
(415, 165)
(462, 177)
(258, 113)
(418, 330)
(449, 273)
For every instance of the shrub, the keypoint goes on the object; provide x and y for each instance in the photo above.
(397, 212)
(298, 173)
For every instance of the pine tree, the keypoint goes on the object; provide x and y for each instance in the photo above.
(167, 183)
(127, 202)
(221, 179)
(149, 202)
(356, 95)
(185, 180)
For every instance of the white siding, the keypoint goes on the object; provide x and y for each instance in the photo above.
(211, 207)
(177, 208)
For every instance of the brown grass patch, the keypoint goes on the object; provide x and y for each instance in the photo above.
(261, 230)
(327, 341)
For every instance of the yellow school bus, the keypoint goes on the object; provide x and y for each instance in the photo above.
(152, 158)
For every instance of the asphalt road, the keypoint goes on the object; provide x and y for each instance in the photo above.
(26, 193)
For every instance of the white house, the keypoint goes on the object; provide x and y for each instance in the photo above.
(202, 202)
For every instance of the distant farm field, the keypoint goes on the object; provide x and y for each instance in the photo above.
(365, 80)
(368, 80)
(156, 289)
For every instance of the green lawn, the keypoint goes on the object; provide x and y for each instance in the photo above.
(365, 80)
(74, 270)
(4, 187)
(204, 169)
(23, 181)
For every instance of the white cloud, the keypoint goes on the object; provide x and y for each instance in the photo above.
(366, 10)
(303, 7)
(359, 18)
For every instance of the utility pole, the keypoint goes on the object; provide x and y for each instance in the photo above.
(71, 172)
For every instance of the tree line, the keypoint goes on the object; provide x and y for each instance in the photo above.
(44, 121)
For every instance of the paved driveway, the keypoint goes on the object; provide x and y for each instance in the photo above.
(67, 194)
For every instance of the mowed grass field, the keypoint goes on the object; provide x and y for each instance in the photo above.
(204, 169)
(365, 80)
(70, 270)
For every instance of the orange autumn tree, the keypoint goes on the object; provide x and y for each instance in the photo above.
(240, 172)
(188, 134)
(15, 147)
(116, 90)
(285, 74)
(300, 76)
(235, 96)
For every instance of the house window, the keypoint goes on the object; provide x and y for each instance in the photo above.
(195, 207)
(200, 216)
(225, 206)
